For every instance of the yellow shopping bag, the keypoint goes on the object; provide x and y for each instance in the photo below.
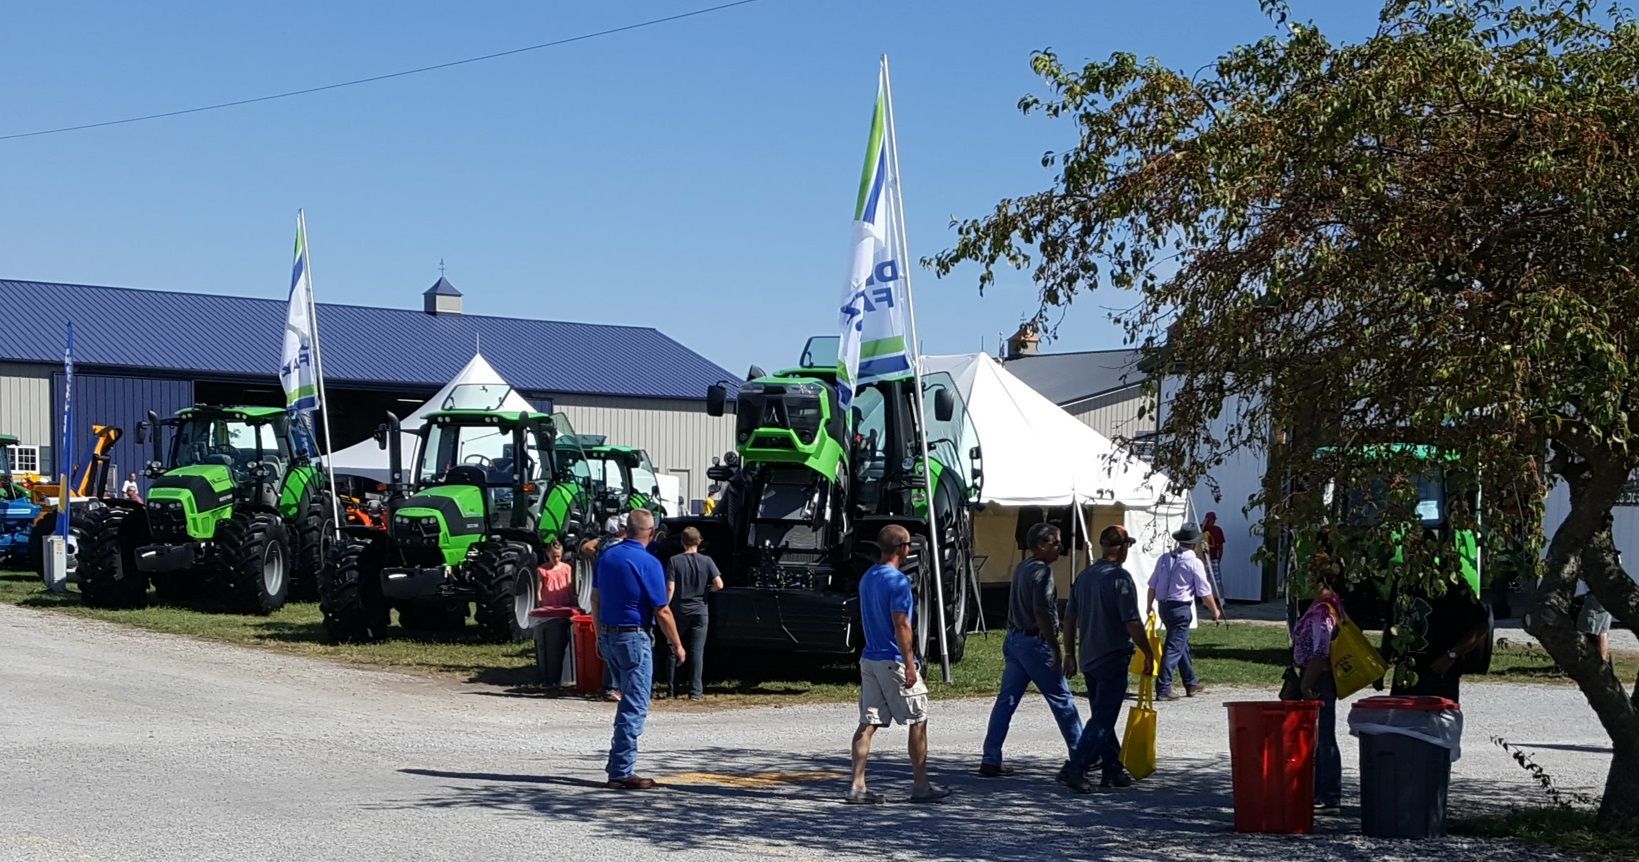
(1152, 630)
(1355, 662)
(1138, 742)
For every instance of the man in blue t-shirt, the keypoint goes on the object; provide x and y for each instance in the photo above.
(628, 594)
(890, 689)
(1103, 614)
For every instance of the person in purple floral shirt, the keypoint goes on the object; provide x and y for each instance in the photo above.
(1312, 655)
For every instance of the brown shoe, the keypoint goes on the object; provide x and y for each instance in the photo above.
(631, 782)
(995, 770)
(1193, 690)
(1169, 696)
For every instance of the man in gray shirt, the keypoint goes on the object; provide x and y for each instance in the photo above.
(1031, 650)
(1103, 613)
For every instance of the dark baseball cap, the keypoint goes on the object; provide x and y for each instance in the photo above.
(1114, 536)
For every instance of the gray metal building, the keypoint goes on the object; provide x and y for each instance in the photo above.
(140, 350)
(1102, 388)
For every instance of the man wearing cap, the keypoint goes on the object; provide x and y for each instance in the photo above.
(1179, 579)
(1031, 651)
(1103, 617)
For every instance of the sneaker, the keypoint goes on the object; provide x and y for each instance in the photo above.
(1117, 779)
(1168, 696)
(1322, 810)
(1074, 779)
(697, 697)
(931, 793)
(611, 697)
(995, 770)
(1193, 690)
(862, 797)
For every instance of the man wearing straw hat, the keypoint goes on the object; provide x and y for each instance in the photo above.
(1179, 579)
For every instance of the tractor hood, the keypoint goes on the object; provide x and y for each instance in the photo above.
(206, 486)
(460, 507)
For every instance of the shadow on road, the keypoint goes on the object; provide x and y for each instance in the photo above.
(745, 801)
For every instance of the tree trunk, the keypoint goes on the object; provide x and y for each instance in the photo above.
(1582, 547)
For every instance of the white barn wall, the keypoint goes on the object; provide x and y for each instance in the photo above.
(678, 435)
(25, 403)
(1624, 526)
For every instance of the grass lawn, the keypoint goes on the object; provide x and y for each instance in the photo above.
(1569, 829)
(1236, 654)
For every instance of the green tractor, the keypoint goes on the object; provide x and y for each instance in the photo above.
(239, 506)
(488, 493)
(808, 490)
(622, 477)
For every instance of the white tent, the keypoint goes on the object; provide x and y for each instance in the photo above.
(1036, 454)
(370, 460)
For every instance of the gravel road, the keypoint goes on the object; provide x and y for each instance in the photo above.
(125, 745)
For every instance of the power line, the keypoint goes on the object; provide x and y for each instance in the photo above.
(374, 78)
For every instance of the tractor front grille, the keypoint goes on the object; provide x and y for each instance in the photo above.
(167, 521)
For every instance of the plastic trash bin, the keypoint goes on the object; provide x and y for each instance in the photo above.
(1272, 764)
(538, 623)
(583, 642)
(1407, 745)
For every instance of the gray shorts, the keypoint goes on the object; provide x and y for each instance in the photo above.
(883, 697)
(1593, 618)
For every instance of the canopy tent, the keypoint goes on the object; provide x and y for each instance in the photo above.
(1036, 454)
(370, 460)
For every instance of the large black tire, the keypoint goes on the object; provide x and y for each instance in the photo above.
(254, 562)
(315, 536)
(507, 584)
(107, 572)
(350, 596)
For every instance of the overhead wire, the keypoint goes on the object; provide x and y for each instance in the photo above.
(383, 77)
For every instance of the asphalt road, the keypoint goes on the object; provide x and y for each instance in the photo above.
(124, 745)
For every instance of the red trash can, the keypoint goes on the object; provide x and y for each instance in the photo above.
(1272, 764)
(588, 664)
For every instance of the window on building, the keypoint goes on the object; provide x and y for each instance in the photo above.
(25, 459)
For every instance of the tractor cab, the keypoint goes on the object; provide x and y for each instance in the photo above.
(620, 478)
(218, 456)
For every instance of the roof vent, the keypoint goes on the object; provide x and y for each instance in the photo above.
(441, 298)
(1025, 342)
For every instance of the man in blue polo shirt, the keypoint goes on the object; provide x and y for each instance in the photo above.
(628, 594)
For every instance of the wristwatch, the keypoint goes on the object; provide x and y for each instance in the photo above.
(1451, 654)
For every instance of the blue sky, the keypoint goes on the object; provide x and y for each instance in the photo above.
(698, 176)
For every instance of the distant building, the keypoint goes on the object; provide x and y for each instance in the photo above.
(141, 350)
(1104, 389)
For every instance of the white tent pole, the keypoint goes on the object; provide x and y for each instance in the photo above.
(318, 367)
(916, 367)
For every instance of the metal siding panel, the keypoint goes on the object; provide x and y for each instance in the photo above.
(676, 434)
(1116, 415)
(121, 401)
(25, 403)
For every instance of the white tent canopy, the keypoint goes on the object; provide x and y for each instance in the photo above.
(1036, 454)
(370, 460)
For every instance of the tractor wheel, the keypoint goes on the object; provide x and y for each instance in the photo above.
(107, 560)
(443, 616)
(953, 572)
(255, 561)
(315, 534)
(506, 583)
(582, 580)
(350, 596)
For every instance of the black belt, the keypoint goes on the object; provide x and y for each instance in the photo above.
(1030, 633)
(618, 630)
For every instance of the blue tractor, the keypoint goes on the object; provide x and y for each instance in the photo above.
(19, 514)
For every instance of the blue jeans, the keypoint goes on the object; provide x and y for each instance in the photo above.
(630, 658)
(1328, 758)
(1106, 689)
(1029, 660)
(1176, 616)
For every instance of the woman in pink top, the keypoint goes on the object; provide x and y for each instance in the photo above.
(557, 605)
(1312, 656)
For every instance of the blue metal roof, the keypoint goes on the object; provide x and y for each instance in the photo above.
(209, 335)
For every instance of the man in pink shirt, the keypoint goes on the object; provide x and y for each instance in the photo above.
(1179, 579)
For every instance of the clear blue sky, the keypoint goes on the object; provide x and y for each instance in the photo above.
(698, 176)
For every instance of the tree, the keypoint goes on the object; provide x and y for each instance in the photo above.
(1424, 237)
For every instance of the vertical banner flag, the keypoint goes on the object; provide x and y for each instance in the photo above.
(297, 373)
(66, 469)
(873, 346)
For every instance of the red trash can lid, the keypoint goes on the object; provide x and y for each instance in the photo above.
(1411, 703)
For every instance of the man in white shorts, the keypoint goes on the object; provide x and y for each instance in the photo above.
(890, 689)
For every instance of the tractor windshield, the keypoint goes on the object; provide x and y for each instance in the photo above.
(229, 441)
(1364, 505)
(644, 479)
(488, 451)
(789, 406)
(950, 442)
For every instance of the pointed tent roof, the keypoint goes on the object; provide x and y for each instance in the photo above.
(368, 459)
(441, 287)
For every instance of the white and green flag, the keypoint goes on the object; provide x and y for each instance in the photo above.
(874, 303)
(298, 372)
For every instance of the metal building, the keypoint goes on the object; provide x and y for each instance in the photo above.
(1104, 389)
(140, 350)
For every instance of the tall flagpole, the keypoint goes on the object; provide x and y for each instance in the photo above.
(916, 368)
(318, 370)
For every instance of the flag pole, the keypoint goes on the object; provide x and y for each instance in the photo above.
(916, 368)
(318, 371)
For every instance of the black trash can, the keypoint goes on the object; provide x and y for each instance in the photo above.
(1407, 745)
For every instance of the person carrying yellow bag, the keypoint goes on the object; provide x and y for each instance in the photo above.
(1140, 665)
(1102, 615)
(1138, 743)
(1312, 648)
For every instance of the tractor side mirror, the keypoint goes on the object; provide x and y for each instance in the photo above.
(716, 399)
(944, 405)
(142, 433)
(381, 436)
(975, 454)
(719, 473)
